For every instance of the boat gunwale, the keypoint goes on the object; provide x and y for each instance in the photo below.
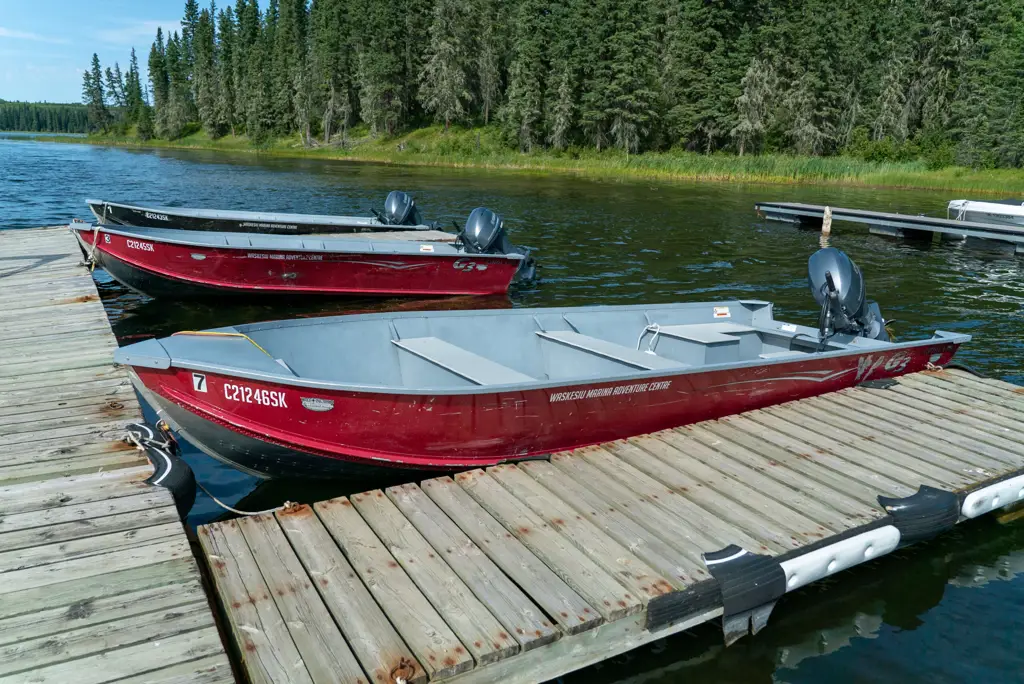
(270, 217)
(388, 247)
(938, 337)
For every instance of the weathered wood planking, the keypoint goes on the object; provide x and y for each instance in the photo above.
(94, 564)
(537, 550)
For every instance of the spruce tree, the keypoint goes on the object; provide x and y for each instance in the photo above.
(331, 64)
(204, 73)
(158, 72)
(755, 106)
(631, 92)
(443, 83)
(93, 96)
(224, 104)
(523, 111)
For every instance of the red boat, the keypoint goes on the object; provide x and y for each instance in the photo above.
(456, 389)
(183, 263)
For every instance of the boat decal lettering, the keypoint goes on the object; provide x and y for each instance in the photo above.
(249, 395)
(199, 382)
(317, 404)
(866, 365)
(106, 237)
(157, 217)
(144, 246)
(467, 265)
(619, 390)
(251, 224)
(722, 312)
(282, 257)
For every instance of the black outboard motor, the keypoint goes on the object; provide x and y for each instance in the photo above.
(838, 287)
(485, 234)
(400, 210)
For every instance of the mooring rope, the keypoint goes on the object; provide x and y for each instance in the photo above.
(214, 333)
(287, 505)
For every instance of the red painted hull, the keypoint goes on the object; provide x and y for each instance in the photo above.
(166, 268)
(477, 429)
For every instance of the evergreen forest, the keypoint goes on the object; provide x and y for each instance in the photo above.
(940, 80)
(43, 117)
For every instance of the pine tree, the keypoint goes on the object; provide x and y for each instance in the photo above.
(158, 72)
(523, 111)
(204, 73)
(490, 47)
(115, 86)
(631, 93)
(93, 96)
(754, 106)
(443, 83)
(224, 104)
(331, 64)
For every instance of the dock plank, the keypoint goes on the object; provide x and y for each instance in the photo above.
(674, 566)
(506, 601)
(617, 560)
(436, 646)
(610, 598)
(484, 637)
(265, 645)
(370, 635)
(566, 608)
(318, 640)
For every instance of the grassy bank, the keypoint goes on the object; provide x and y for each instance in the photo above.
(482, 148)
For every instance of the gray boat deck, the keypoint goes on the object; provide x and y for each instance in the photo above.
(522, 573)
(896, 225)
(97, 579)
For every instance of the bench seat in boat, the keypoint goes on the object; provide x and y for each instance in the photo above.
(610, 350)
(462, 362)
(706, 333)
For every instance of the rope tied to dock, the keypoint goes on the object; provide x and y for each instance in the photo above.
(212, 333)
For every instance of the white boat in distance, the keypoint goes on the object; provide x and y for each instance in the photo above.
(998, 212)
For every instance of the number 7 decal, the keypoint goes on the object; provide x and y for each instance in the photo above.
(199, 382)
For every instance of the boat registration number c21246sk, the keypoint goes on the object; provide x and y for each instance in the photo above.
(249, 395)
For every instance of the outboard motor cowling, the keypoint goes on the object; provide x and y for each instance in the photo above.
(400, 209)
(838, 286)
(484, 232)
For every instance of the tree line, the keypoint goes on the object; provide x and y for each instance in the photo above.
(885, 79)
(43, 117)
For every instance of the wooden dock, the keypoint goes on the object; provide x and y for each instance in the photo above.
(896, 225)
(522, 573)
(97, 579)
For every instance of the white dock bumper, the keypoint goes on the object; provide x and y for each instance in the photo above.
(813, 566)
(988, 499)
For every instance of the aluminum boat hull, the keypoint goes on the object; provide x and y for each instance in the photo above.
(275, 429)
(160, 267)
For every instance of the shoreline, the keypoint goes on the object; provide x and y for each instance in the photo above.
(466, 149)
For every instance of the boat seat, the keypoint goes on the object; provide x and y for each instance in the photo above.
(705, 333)
(462, 362)
(775, 355)
(610, 350)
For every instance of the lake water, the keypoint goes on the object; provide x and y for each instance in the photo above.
(944, 611)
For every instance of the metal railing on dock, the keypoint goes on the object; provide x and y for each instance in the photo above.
(896, 225)
(522, 573)
(95, 568)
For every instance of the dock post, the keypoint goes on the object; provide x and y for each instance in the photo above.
(826, 221)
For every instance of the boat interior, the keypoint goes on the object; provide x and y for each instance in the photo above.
(464, 349)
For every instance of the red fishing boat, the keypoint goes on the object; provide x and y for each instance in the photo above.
(457, 389)
(163, 262)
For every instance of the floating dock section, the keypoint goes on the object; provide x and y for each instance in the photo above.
(895, 225)
(97, 579)
(522, 573)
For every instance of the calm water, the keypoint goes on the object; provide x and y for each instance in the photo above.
(946, 611)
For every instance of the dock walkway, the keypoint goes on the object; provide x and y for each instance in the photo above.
(97, 579)
(522, 573)
(895, 225)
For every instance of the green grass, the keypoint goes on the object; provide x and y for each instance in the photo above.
(483, 148)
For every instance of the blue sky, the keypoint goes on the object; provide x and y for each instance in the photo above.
(45, 44)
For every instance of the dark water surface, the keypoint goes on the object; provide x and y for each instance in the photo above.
(948, 611)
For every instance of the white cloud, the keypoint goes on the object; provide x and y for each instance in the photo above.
(138, 33)
(26, 35)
